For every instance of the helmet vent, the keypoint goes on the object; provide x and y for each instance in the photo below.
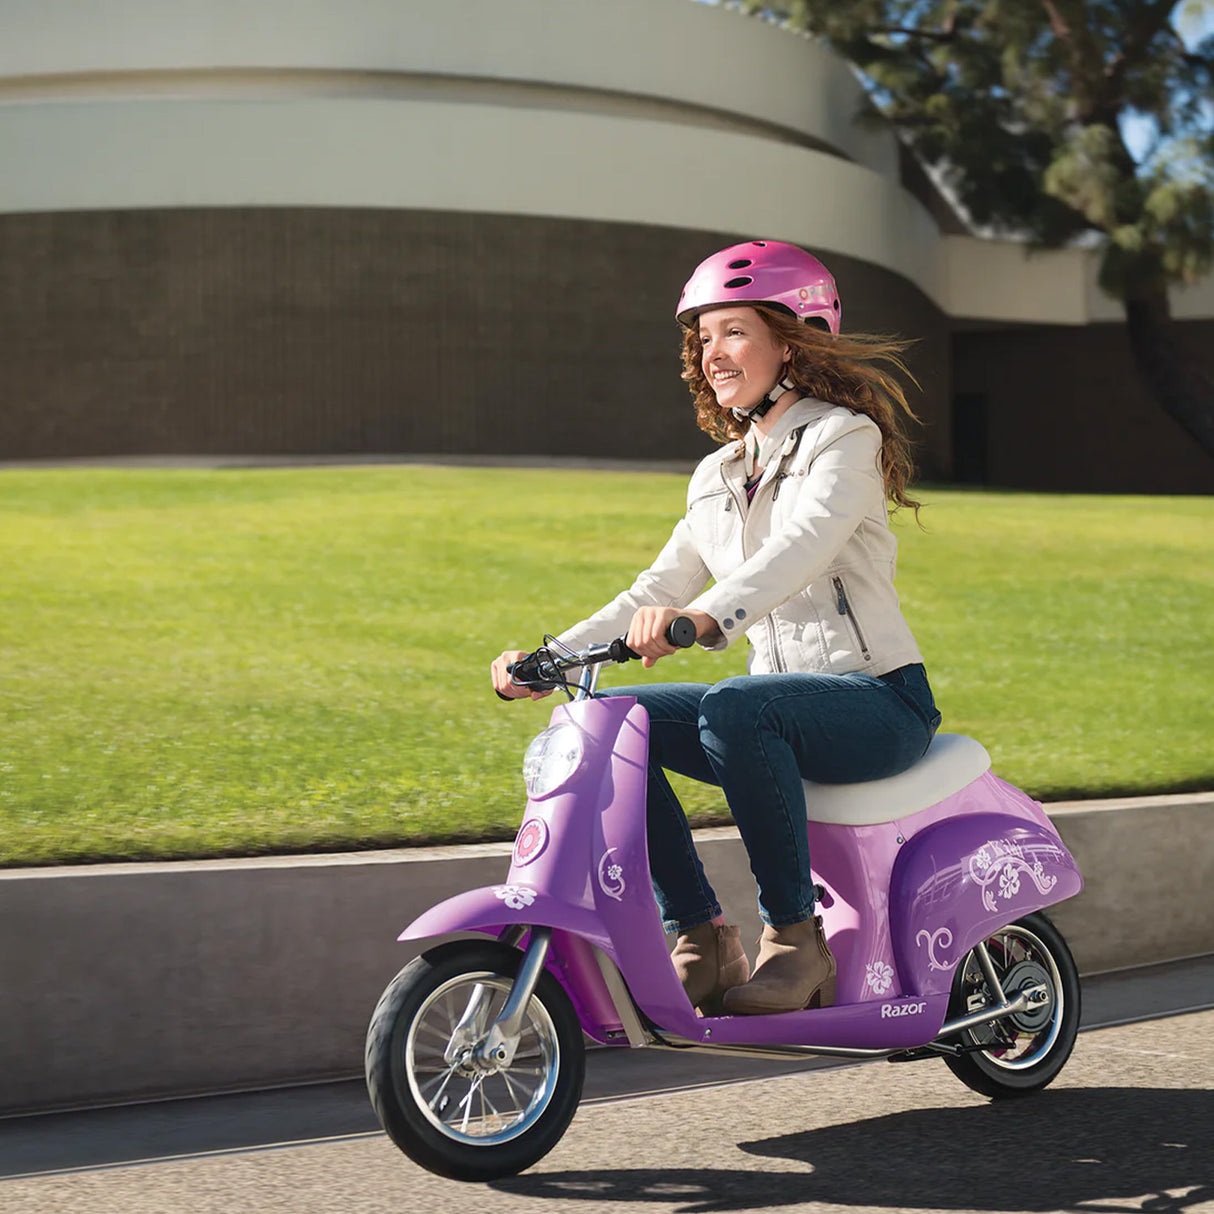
(761, 243)
(742, 281)
(740, 264)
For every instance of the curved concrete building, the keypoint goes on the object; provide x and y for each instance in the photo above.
(249, 227)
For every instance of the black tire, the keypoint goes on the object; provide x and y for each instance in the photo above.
(521, 1110)
(1022, 1053)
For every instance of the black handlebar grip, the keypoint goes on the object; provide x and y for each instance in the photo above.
(681, 633)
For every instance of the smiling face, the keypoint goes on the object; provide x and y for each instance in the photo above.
(742, 358)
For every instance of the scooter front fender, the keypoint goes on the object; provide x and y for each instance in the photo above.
(493, 907)
(960, 880)
(606, 1017)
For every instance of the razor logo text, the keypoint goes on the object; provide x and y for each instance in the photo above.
(901, 1009)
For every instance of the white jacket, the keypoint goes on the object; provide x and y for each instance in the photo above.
(805, 571)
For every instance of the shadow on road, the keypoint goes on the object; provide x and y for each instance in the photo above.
(1072, 1149)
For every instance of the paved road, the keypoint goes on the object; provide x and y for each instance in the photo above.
(1129, 1125)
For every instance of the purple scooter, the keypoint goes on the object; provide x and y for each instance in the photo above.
(930, 886)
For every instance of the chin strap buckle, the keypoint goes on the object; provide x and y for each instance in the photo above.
(756, 411)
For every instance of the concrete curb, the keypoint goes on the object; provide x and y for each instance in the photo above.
(137, 981)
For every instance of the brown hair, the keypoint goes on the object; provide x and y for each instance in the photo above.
(841, 370)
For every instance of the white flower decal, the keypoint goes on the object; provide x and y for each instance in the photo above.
(516, 897)
(1000, 863)
(615, 872)
(1009, 881)
(879, 976)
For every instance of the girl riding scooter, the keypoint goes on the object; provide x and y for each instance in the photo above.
(930, 873)
(789, 522)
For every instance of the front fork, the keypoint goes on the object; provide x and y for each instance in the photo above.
(489, 1050)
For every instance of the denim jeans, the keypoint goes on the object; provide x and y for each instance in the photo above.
(757, 737)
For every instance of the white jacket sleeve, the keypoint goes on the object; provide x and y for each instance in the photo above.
(842, 485)
(673, 580)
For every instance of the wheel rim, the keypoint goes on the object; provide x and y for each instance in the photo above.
(1021, 960)
(467, 1103)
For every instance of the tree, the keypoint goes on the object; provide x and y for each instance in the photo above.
(1022, 108)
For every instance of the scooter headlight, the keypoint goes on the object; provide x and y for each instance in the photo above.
(552, 760)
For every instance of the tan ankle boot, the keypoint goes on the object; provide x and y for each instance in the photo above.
(709, 960)
(795, 970)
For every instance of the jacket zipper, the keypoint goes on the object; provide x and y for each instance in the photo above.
(777, 650)
(845, 609)
(731, 500)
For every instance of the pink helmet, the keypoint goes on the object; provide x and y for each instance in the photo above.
(763, 272)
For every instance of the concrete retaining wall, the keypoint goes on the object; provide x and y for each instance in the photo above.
(128, 982)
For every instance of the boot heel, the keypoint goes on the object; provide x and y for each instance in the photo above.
(826, 993)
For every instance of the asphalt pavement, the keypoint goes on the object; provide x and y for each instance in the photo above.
(1129, 1125)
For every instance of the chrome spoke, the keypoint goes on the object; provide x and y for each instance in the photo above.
(493, 1105)
(466, 1103)
(519, 1105)
(1008, 955)
(434, 1031)
(442, 1077)
(439, 1094)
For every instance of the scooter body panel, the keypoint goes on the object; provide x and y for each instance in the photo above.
(883, 1024)
(580, 863)
(960, 880)
(903, 901)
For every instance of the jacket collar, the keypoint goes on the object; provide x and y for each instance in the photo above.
(780, 441)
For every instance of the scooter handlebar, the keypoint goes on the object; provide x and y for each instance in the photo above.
(681, 633)
(543, 669)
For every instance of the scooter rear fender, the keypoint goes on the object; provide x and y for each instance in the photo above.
(960, 880)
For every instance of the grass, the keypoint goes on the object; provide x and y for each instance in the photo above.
(200, 663)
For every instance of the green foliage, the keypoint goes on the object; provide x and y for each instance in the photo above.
(1020, 108)
(200, 663)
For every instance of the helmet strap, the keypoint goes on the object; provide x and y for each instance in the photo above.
(785, 384)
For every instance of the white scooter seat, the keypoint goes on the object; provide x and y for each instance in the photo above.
(952, 761)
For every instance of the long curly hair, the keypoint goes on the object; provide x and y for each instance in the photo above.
(841, 370)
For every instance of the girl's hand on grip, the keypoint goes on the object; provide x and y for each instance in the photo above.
(504, 685)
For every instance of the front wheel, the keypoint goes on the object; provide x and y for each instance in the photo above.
(449, 1109)
(1021, 1053)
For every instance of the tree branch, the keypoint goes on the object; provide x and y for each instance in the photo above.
(942, 36)
(1057, 20)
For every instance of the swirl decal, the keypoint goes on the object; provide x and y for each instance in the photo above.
(1000, 864)
(611, 877)
(929, 940)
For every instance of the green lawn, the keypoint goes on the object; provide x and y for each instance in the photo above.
(198, 663)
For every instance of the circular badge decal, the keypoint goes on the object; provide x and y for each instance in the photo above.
(532, 839)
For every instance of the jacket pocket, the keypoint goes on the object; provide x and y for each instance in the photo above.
(844, 607)
(709, 517)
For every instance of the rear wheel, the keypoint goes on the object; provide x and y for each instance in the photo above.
(1023, 1052)
(458, 1114)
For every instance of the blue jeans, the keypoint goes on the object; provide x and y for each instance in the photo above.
(756, 737)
